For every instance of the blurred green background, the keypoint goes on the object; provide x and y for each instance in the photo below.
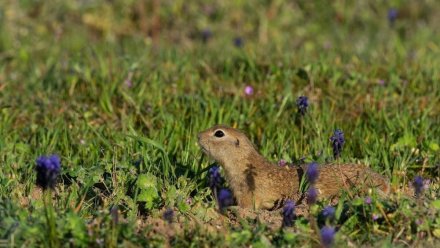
(119, 89)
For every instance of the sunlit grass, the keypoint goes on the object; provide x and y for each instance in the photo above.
(123, 110)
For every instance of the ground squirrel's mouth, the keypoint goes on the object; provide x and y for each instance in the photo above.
(204, 150)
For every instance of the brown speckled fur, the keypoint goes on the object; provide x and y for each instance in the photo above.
(257, 183)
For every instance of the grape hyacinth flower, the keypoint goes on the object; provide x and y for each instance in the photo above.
(248, 90)
(168, 215)
(302, 103)
(312, 195)
(214, 177)
(338, 141)
(327, 236)
(206, 35)
(48, 168)
(238, 42)
(225, 198)
(288, 213)
(392, 15)
(328, 212)
(312, 172)
(418, 185)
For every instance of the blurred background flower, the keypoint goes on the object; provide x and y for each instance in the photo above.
(238, 42)
(282, 162)
(327, 236)
(48, 168)
(338, 142)
(168, 215)
(302, 103)
(418, 185)
(206, 35)
(312, 195)
(214, 178)
(288, 213)
(248, 90)
(392, 15)
(225, 198)
(328, 212)
(312, 173)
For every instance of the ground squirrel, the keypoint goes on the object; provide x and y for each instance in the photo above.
(258, 183)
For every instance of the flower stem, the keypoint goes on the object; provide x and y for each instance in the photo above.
(302, 137)
(314, 223)
(50, 219)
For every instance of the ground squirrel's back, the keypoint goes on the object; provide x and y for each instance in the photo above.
(258, 183)
(334, 177)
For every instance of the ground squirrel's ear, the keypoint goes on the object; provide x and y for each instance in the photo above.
(237, 143)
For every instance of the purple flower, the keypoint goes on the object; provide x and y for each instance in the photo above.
(282, 162)
(327, 235)
(312, 195)
(418, 185)
(168, 215)
(312, 172)
(48, 168)
(367, 200)
(128, 83)
(238, 42)
(214, 177)
(392, 15)
(302, 103)
(375, 217)
(248, 90)
(288, 213)
(328, 212)
(206, 35)
(225, 198)
(338, 141)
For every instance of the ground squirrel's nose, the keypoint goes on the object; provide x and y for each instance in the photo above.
(198, 136)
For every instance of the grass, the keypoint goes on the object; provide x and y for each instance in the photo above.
(120, 92)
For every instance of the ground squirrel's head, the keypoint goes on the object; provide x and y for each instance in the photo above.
(223, 143)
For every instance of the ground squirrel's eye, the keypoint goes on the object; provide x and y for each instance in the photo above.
(219, 133)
